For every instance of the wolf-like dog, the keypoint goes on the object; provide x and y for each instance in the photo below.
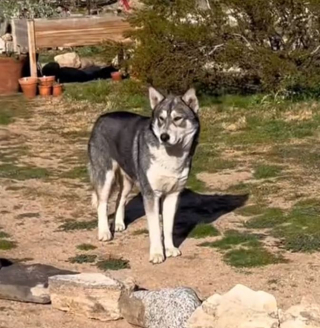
(153, 152)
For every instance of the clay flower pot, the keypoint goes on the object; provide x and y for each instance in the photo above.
(47, 80)
(29, 86)
(116, 76)
(57, 90)
(45, 90)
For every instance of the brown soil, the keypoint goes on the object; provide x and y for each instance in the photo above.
(53, 141)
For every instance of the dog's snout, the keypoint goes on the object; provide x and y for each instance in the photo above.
(164, 137)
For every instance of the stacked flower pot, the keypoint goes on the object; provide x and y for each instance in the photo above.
(46, 84)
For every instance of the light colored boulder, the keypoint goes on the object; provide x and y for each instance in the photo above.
(165, 308)
(241, 307)
(304, 315)
(70, 59)
(93, 295)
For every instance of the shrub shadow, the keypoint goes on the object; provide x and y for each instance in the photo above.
(194, 208)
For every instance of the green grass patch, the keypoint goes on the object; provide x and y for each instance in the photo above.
(83, 258)
(233, 238)
(264, 171)
(203, 230)
(86, 247)
(252, 257)
(269, 219)
(140, 232)
(11, 171)
(78, 172)
(4, 235)
(72, 225)
(11, 108)
(6, 245)
(127, 94)
(251, 210)
(113, 264)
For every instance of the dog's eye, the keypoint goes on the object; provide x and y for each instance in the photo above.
(178, 118)
(161, 118)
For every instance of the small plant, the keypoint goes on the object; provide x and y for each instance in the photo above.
(72, 225)
(7, 244)
(204, 230)
(83, 258)
(86, 247)
(113, 264)
(140, 232)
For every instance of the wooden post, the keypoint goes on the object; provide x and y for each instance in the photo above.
(32, 48)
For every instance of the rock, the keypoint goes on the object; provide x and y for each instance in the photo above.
(27, 283)
(93, 295)
(70, 59)
(241, 307)
(306, 314)
(166, 308)
(86, 63)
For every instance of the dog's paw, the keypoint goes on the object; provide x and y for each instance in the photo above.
(173, 252)
(119, 227)
(156, 258)
(105, 235)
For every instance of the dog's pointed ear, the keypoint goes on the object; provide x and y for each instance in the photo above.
(190, 98)
(155, 97)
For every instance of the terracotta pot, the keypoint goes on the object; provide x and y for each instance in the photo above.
(57, 90)
(45, 90)
(29, 86)
(11, 71)
(116, 76)
(47, 80)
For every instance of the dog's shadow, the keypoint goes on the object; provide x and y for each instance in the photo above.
(193, 209)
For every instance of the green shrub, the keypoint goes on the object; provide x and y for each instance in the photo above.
(235, 46)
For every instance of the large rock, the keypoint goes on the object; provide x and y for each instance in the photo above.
(304, 315)
(166, 308)
(70, 59)
(93, 295)
(241, 307)
(27, 283)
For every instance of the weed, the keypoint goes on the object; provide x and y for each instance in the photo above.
(72, 225)
(7, 244)
(86, 247)
(4, 235)
(83, 258)
(203, 230)
(113, 264)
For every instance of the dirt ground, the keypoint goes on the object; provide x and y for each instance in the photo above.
(33, 209)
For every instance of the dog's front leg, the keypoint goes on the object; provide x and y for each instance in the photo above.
(168, 213)
(151, 205)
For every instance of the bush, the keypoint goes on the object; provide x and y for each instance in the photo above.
(233, 46)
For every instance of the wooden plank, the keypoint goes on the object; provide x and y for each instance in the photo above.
(20, 34)
(32, 48)
(79, 31)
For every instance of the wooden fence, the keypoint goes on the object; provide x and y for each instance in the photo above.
(30, 35)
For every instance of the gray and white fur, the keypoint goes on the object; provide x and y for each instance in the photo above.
(153, 152)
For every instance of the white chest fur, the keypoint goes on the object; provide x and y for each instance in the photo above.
(167, 173)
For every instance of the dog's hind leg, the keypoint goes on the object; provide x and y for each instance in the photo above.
(125, 188)
(103, 193)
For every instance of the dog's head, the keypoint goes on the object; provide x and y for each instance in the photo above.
(174, 120)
